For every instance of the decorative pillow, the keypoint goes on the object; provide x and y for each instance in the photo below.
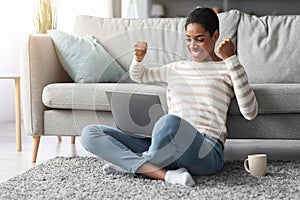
(84, 59)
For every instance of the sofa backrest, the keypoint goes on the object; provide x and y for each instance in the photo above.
(165, 36)
(269, 48)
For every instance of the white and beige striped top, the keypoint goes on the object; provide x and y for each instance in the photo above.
(200, 92)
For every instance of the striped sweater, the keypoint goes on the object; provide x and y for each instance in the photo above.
(200, 92)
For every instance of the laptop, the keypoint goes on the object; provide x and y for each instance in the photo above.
(135, 114)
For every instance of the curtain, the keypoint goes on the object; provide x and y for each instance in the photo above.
(135, 8)
(114, 9)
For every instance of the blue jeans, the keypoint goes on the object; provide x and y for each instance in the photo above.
(175, 143)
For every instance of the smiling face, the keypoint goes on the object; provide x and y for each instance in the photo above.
(200, 43)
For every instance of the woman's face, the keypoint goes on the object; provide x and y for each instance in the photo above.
(199, 42)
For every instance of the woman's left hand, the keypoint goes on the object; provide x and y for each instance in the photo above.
(226, 48)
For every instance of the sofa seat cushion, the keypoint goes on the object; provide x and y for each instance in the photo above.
(90, 96)
(273, 98)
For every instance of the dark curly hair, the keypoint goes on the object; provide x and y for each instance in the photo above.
(206, 17)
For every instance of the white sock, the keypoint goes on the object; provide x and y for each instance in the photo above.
(180, 176)
(113, 169)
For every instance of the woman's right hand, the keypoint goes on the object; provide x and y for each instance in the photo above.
(140, 50)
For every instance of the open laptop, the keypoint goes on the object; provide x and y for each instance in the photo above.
(135, 113)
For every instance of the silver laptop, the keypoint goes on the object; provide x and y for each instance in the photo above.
(135, 113)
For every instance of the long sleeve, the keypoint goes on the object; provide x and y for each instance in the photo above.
(244, 94)
(139, 73)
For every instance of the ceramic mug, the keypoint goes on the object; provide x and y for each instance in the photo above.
(256, 164)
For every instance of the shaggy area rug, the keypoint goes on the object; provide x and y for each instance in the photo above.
(82, 178)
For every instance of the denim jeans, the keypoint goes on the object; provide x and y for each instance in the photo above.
(175, 143)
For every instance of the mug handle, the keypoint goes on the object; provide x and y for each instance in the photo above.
(246, 165)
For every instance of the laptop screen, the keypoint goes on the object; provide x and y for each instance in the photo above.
(135, 113)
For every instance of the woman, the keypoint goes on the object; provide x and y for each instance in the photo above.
(188, 141)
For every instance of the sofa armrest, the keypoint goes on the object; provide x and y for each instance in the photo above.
(40, 67)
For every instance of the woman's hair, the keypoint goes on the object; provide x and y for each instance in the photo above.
(206, 17)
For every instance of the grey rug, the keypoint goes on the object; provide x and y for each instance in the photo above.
(82, 178)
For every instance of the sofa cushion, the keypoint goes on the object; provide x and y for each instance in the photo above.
(92, 96)
(165, 36)
(273, 99)
(268, 47)
(229, 22)
(84, 59)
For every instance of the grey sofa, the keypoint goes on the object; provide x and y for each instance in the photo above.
(268, 47)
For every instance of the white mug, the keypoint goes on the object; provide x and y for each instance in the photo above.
(256, 164)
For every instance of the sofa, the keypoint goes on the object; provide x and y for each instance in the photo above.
(268, 48)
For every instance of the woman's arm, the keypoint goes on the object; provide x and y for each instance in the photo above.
(139, 73)
(244, 94)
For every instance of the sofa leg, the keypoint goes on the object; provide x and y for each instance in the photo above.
(73, 139)
(59, 138)
(35, 147)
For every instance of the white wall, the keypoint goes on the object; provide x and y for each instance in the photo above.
(16, 22)
(12, 22)
(69, 9)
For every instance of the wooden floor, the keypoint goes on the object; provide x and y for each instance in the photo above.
(13, 163)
